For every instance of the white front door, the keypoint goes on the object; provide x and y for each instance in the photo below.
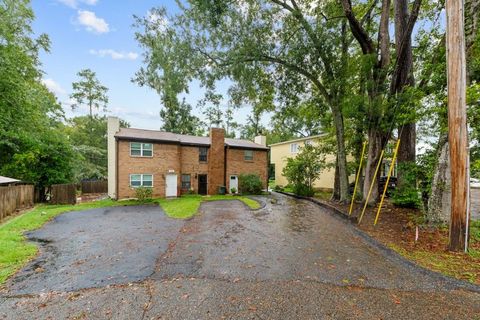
(171, 185)
(233, 183)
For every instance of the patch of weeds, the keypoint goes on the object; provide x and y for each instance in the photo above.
(323, 195)
(457, 265)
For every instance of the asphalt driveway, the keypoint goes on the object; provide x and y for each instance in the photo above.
(289, 260)
(94, 248)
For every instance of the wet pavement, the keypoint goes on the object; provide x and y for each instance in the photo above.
(289, 260)
(94, 248)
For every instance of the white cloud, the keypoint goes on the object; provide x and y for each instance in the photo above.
(54, 86)
(91, 22)
(74, 3)
(114, 54)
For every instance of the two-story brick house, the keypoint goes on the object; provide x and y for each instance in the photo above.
(172, 164)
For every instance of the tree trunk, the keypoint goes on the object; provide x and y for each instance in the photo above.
(375, 144)
(336, 182)
(439, 202)
(341, 154)
(403, 77)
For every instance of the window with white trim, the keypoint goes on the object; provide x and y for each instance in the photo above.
(308, 142)
(141, 180)
(294, 148)
(248, 155)
(139, 149)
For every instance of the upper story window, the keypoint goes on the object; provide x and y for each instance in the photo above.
(248, 155)
(139, 149)
(294, 148)
(308, 142)
(202, 154)
(141, 180)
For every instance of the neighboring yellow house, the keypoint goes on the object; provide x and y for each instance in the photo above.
(279, 152)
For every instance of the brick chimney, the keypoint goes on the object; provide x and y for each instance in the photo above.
(262, 140)
(216, 160)
(113, 126)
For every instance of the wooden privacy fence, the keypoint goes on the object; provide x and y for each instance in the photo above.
(14, 198)
(100, 186)
(63, 194)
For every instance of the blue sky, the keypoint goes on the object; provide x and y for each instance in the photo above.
(98, 34)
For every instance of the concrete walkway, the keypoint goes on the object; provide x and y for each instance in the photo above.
(290, 260)
(475, 203)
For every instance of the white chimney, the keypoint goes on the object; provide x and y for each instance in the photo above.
(262, 140)
(113, 126)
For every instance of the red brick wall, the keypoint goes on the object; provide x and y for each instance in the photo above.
(165, 157)
(216, 160)
(191, 165)
(236, 164)
(185, 159)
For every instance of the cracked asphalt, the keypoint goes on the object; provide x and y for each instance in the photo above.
(289, 260)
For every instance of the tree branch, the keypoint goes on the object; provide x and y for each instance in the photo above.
(357, 30)
(286, 64)
(297, 13)
(384, 35)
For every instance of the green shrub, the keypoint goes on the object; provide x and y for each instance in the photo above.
(277, 188)
(303, 190)
(304, 169)
(233, 190)
(406, 194)
(143, 193)
(250, 184)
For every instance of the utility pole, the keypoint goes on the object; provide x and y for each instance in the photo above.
(457, 122)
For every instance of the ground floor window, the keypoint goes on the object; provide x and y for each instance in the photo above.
(186, 185)
(141, 180)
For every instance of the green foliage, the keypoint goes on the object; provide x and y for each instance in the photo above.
(88, 136)
(89, 91)
(47, 161)
(304, 169)
(143, 193)
(31, 145)
(277, 188)
(250, 184)
(406, 194)
(177, 117)
(233, 190)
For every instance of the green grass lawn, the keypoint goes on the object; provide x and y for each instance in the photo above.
(16, 252)
(271, 183)
(187, 206)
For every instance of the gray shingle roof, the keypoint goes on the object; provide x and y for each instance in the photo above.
(154, 135)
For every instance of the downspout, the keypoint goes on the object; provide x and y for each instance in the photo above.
(225, 167)
(116, 169)
(268, 167)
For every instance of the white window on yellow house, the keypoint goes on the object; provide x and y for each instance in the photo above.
(139, 149)
(308, 142)
(293, 147)
(141, 180)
